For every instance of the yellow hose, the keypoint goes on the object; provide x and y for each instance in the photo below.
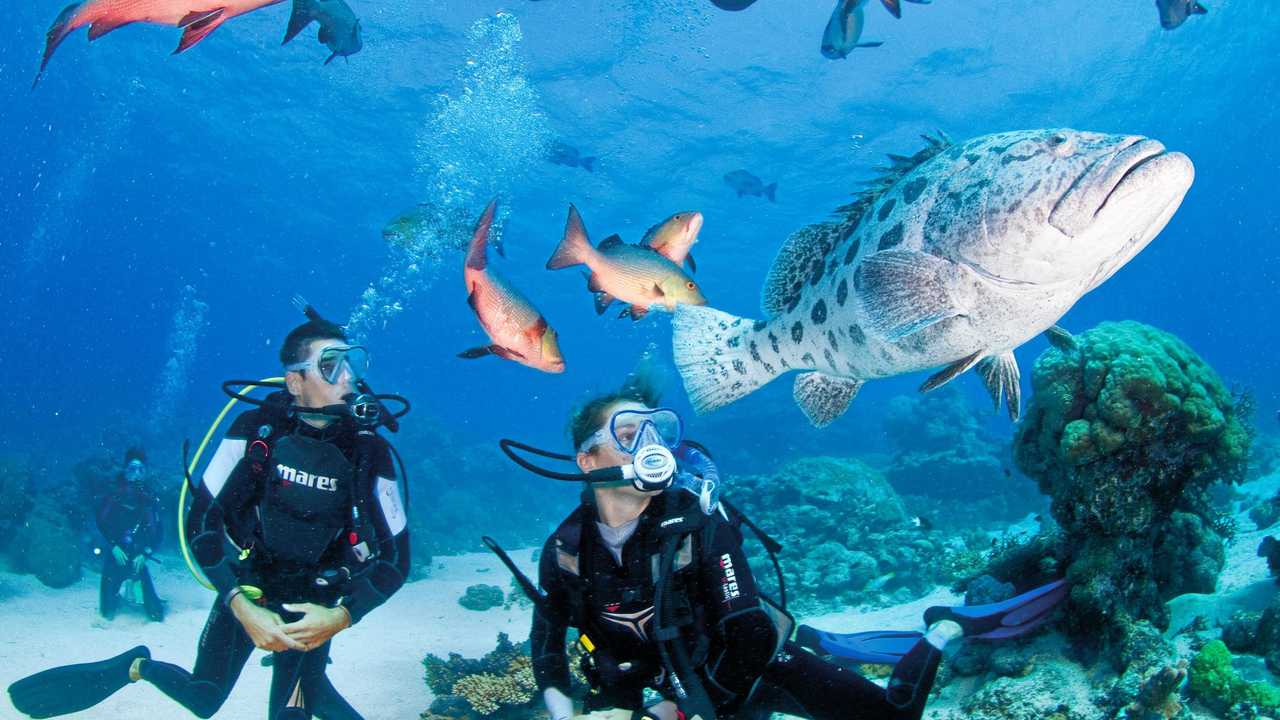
(191, 470)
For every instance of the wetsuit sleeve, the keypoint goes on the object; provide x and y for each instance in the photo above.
(743, 637)
(227, 491)
(550, 626)
(100, 516)
(154, 533)
(387, 573)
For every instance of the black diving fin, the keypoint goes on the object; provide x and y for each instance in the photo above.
(72, 688)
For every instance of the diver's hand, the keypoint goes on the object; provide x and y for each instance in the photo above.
(665, 710)
(264, 627)
(122, 558)
(138, 562)
(317, 624)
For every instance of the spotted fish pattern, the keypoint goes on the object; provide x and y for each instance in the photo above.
(950, 259)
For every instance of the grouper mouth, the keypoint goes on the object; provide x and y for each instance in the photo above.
(1130, 169)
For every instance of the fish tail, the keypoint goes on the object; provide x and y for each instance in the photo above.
(62, 27)
(300, 17)
(721, 358)
(769, 191)
(588, 163)
(575, 248)
(477, 253)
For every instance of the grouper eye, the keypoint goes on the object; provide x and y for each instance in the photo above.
(1062, 144)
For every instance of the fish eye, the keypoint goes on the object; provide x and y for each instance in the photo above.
(691, 285)
(1062, 144)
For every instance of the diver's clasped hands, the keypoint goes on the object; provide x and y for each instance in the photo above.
(270, 632)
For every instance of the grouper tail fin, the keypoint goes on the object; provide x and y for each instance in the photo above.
(58, 31)
(722, 357)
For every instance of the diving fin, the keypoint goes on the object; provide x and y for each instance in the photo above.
(1011, 618)
(72, 688)
(873, 647)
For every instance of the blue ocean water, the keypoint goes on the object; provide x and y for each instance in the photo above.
(250, 172)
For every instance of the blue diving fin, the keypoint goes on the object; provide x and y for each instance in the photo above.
(1007, 619)
(874, 647)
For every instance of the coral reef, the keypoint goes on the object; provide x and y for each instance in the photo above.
(846, 536)
(499, 685)
(1126, 431)
(1269, 548)
(48, 548)
(482, 597)
(1216, 683)
(1256, 633)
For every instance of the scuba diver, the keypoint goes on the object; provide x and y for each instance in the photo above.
(650, 570)
(128, 516)
(297, 523)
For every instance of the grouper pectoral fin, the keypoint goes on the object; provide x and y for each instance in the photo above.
(476, 352)
(1060, 338)
(822, 397)
(906, 291)
(1003, 380)
(603, 301)
(950, 372)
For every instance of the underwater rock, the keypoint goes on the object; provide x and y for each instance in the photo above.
(1126, 431)
(15, 479)
(1051, 692)
(1256, 633)
(986, 589)
(47, 547)
(1158, 697)
(846, 536)
(1266, 513)
(1269, 548)
(482, 597)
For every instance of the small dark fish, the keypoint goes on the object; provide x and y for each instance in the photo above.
(733, 5)
(1175, 12)
(339, 27)
(922, 522)
(744, 183)
(569, 156)
(844, 29)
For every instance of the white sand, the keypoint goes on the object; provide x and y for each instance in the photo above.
(377, 665)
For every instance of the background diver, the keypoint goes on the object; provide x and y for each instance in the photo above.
(298, 523)
(669, 614)
(128, 516)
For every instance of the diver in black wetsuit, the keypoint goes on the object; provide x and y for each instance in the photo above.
(732, 658)
(299, 524)
(128, 516)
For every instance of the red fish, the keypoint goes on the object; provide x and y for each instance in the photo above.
(516, 330)
(197, 18)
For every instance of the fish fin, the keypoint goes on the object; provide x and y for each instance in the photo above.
(1060, 338)
(199, 29)
(302, 15)
(769, 191)
(477, 255)
(693, 266)
(906, 291)
(793, 266)
(588, 163)
(823, 397)
(62, 27)
(471, 298)
(477, 352)
(1198, 9)
(610, 241)
(196, 16)
(713, 352)
(874, 43)
(575, 246)
(894, 7)
(649, 235)
(949, 373)
(506, 353)
(921, 2)
(1004, 381)
(603, 301)
(593, 283)
(102, 27)
(657, 289)
(638, 312)
(331, 57)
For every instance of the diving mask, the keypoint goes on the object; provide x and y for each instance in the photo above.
(135, 471)
(330, 362)
(649, 437)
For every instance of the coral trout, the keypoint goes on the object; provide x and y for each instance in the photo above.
(197, 18)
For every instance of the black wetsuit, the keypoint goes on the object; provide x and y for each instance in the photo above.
(742, 673)
(129, 518)
(294, 518)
